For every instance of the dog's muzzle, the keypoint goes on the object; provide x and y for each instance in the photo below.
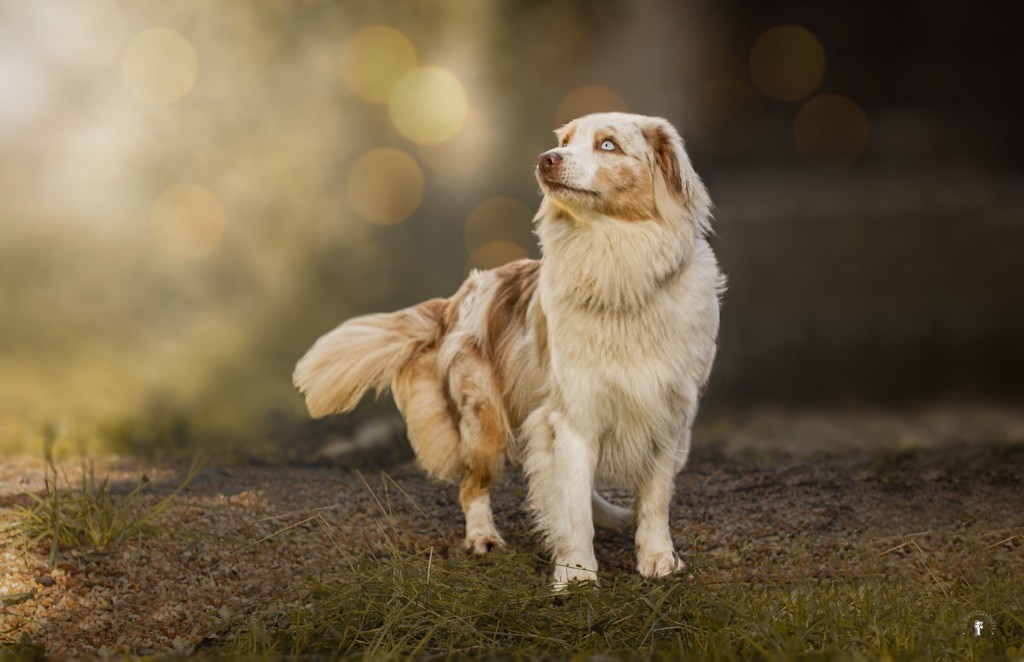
(548, 162)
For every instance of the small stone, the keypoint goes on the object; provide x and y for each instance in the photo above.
(45, 580)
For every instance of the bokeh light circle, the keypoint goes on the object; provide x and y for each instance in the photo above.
(725, 117)
(385, 186)
(462, 155)
(589, 99)
(501, 218)
(373, 60)
(187, 221)
(787, 63)
(428, 105)
(159, 66)
(494, 254)
(831, 131)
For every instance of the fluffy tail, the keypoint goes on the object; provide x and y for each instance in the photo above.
(363, 353)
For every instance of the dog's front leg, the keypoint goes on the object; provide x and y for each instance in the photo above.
(560, 463)
(655, 554)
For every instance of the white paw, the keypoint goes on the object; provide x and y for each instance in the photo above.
(658, 564)
(564, 574)
(481, 542)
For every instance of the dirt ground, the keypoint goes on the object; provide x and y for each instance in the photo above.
(918, 491)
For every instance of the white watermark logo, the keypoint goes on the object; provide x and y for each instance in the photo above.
(978, 623)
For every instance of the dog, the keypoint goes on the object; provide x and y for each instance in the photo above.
(586, 366)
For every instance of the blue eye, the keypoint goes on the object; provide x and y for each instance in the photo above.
(608, 146)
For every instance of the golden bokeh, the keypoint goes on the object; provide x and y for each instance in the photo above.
(494, 254)
(385, 186)
(499, 219)
(187, 221)
(295, 7)
(85, 34)
(373, 60)
(92, 164)
(831, 131)
(464, 153)
(725, 117)
(787, 63)
(589, 99)
(159, 66)
(428, 105)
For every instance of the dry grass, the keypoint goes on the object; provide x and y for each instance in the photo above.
(69, 514)
(417, 604)
(389, 600)
(861, 555)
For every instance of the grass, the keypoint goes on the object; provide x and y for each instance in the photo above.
(902, 597)
(888, 602)
(419, 605)
(87, 515)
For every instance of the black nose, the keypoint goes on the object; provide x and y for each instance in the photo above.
(548, 161)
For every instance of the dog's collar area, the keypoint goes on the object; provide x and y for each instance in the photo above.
(596, 306)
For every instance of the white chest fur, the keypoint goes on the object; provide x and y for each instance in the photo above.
(632, 322)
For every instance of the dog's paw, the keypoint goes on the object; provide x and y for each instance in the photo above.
(561, 587)
(564, 575)
(659, 564)
(481, 542)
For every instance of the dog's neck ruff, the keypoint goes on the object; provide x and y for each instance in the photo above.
(608, 266)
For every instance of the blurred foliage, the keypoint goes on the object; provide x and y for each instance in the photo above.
(192, 192)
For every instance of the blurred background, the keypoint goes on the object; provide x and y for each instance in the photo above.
(191, 192)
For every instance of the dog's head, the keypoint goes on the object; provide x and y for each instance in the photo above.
(622, 166)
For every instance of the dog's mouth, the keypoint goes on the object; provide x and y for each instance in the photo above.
(559, 186)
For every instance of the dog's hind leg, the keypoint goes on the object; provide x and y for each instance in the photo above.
(483, 435)
(475, 496)
(457, 435)
(432, 431)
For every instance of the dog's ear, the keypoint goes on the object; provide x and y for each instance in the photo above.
(678, 191)
(666, 147)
